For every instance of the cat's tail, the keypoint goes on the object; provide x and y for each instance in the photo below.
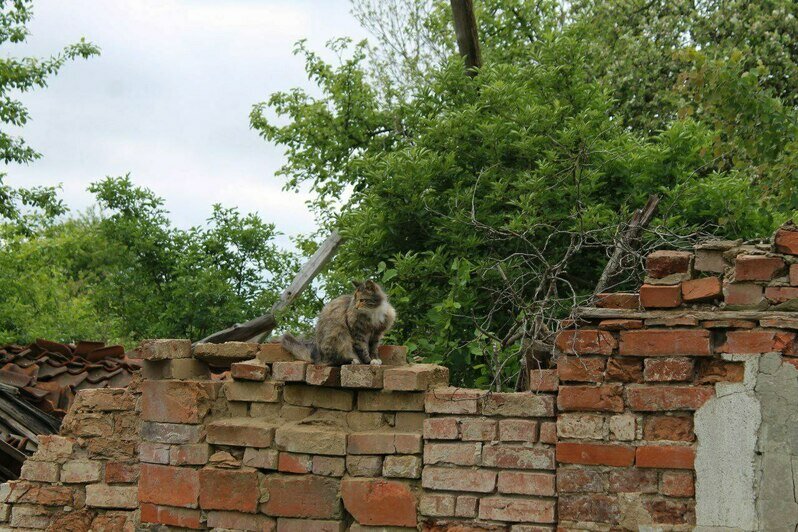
(299, 348)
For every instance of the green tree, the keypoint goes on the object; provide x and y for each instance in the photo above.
(19, 75)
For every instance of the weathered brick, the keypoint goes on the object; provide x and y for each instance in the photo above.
(105, 496)
(660, 296)
(53, 448)
(260, 458)
(781, 294)
(165, 349)
(316, 397)
(704, 289)
(757, 341)
(384, 443)
(620, 324)
(656, 398)
(582, 426)
(258, 392)
(526, 483)
(241, 432)
(223, 489)
(633, 481)
(518, 456)
(436, 505)
(794, 274)
(595, 508)
(709, 260)
(180, 369)
(665, 342)
(330, 466)
(293, 371)
(226, 353)
(606, 398)
(518, 404)
(172, 433)
(677, 484)
(548, 432)
(77, 471)
(466, 506)
(461, 453)
(756, 267)
(370, 401)
(624, 370)
(586, 342)
(441, 428)
(595, 454)
(176, 401)
(458, 479)
(294, 463)
(402, 466)
(714, 370)
(670, 511)
(673, 321)
(478, 429)
(452, 401)
(524, 430)
(301, 496)
(671, 428)
(104, 400)
(171, 486)
(517, 510)
(665, 456)
(728, 324)
(744, 294)
(285, 524)
(40, 471)
(239, 521)
(543, 380)
(364, 466)
(786, 241)
(618, 300)
(662, 263)
(163, 515)
(189, 454)
(120, 473)
(581, 369)
(249, 370)
(580, 480)
(623, 427)
(323, 375)
(154, 453)
(311, 439)
(668, 369)
(418, 377)
(361, 376)
(379, 502)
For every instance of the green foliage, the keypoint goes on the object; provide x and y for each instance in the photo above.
(20, 75)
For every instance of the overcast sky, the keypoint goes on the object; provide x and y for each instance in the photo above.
(169, 97)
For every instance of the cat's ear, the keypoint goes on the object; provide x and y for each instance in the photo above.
(371, 285)
(356, 284)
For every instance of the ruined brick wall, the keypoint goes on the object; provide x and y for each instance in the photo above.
(86, 477)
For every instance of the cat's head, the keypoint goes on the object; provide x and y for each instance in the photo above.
(368, 294)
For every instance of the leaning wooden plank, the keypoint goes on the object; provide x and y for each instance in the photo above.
(254, 328)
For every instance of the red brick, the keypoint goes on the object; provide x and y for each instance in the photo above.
(756, 267)
(509, 456)
(383, 443)
(581, 480)
(618, 300)
(586, 342)
(607, 398)
(744, 294)
(548, 432)
(164, 515)
(595, 454)
(757, 341)
(728, 324)
(594, 508)
(518, 430)
(293, 371)
(543, 380)
(170, 486)
(458, 479)
(624, 370)
(662, 263)
(786, 241)
(379, 502)
(303, 525)
(119, 473)
(294, 463)
(239, 521)
(794, 274)
(668, 369)
(301, 496)
(670, 428)
(656, 398)
(715, 370)
(526, 483)
(189, 454)
(665, 342)
(175, 401)
(323, 375)
(620, 325)
(660, 296)
(670, 511)
(633, 481)
(665, 457)
(224, 489)
(440, 428)
(781, 294)
(677, 484)
(250, 370)
(581, 369)
(516, 510)
(676, 321)
(704, 289)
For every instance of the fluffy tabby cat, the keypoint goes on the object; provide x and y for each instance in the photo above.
(348, 330)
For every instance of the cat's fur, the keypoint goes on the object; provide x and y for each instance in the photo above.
(348, 329)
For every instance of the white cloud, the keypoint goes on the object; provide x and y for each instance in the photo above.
(168, 100)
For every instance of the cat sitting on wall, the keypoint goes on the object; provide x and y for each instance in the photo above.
(348, 329)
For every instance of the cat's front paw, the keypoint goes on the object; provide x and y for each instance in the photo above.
(355, 361)
(376, 362)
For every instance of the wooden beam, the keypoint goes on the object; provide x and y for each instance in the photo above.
(465, 27)
(619, 313)
(242, 332)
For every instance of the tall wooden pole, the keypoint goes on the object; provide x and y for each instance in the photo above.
(465, 27)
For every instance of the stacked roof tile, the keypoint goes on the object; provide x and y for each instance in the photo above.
(38, 383)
